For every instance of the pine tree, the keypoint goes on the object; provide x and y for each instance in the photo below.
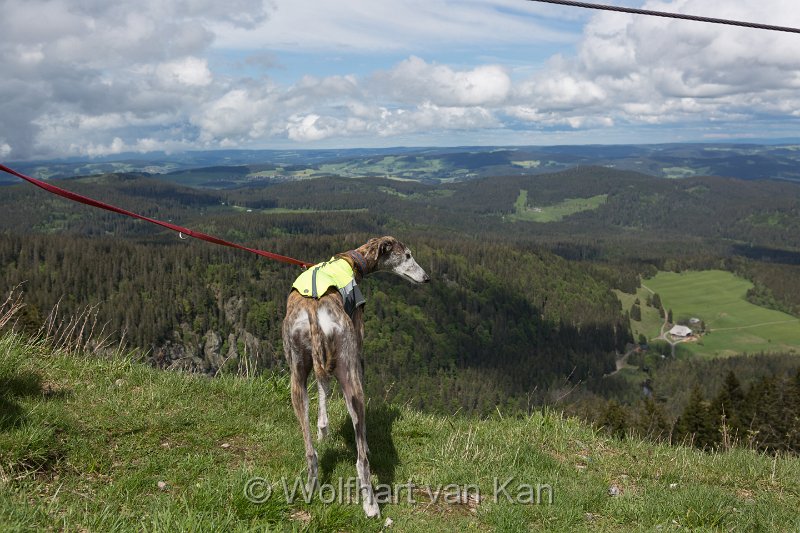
(695, 424)
(729, 403)
(793, 413)
(651, 421)
(614, 419)
(767, 423)
(657, 301)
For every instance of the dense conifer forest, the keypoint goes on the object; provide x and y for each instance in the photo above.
(519, 313)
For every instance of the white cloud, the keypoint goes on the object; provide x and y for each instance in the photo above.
(118, 146)
(312, 128)
(557, 89)
(128, 59)
(94, 77)
(411, 25)
(559, 120)
(188, 71)
(414, 80)
(650, 70)
(238, 114)
(315, 109)
(432, 118)
(426, 118)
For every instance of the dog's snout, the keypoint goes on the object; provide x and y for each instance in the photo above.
(426, 279)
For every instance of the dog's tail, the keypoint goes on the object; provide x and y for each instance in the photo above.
(322, 352)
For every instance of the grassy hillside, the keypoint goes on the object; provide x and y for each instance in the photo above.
(719, 299)
(651, 319)
(102, 444)
(555, 212)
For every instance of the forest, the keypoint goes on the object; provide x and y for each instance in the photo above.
(762, 415)
(519, 313)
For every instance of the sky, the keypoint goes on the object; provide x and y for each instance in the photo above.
(90, 78)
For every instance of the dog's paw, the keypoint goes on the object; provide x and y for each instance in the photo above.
(371, 509)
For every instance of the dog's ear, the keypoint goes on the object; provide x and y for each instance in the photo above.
(385, 247)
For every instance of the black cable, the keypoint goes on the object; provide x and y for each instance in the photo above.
(680, 16)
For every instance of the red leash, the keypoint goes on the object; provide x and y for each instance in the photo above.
(196, 234)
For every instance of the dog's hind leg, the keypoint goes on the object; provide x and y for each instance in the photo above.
(300, 403)
(324, 388)
(354, 398)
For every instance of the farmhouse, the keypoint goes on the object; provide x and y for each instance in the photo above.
(680, 331)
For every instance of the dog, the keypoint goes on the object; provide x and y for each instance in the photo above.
(320, 334)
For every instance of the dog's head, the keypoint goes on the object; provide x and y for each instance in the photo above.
(390, 255)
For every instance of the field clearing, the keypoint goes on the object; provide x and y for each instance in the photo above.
(555, 212)
(650, 324)
(295, 211)
(384, 167)
(736, 325)
(527, 164)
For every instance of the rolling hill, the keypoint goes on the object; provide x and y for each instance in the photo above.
(434, 165)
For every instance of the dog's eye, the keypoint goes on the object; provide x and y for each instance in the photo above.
(408, 255)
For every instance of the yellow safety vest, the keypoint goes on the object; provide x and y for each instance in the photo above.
(315, 281)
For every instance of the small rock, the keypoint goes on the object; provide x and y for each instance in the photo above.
(226, 445)
(162, 485)
(614, 490)
(388, 522)
(673, 485)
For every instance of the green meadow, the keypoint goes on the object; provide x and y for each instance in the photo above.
(735, 325)
(651, 322)
(91, 443)
(555, 212)
(292, 211)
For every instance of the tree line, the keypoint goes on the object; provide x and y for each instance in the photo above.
(764, 416)
(519, 312)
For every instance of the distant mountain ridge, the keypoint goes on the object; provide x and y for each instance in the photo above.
(434, 164)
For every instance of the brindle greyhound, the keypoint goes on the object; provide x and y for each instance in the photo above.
(319, 334)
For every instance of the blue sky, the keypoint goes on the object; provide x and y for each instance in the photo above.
(91, 77)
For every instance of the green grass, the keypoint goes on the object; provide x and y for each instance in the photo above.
(85, 441)
(527, 164)
(433, 193)
(770, 220)
(678, 172)
(651, 322)
(736, 325)
(384, 167)
(555, 212)
(290, 211)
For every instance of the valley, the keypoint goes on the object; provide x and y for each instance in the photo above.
(535, 274)
(732, 324)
